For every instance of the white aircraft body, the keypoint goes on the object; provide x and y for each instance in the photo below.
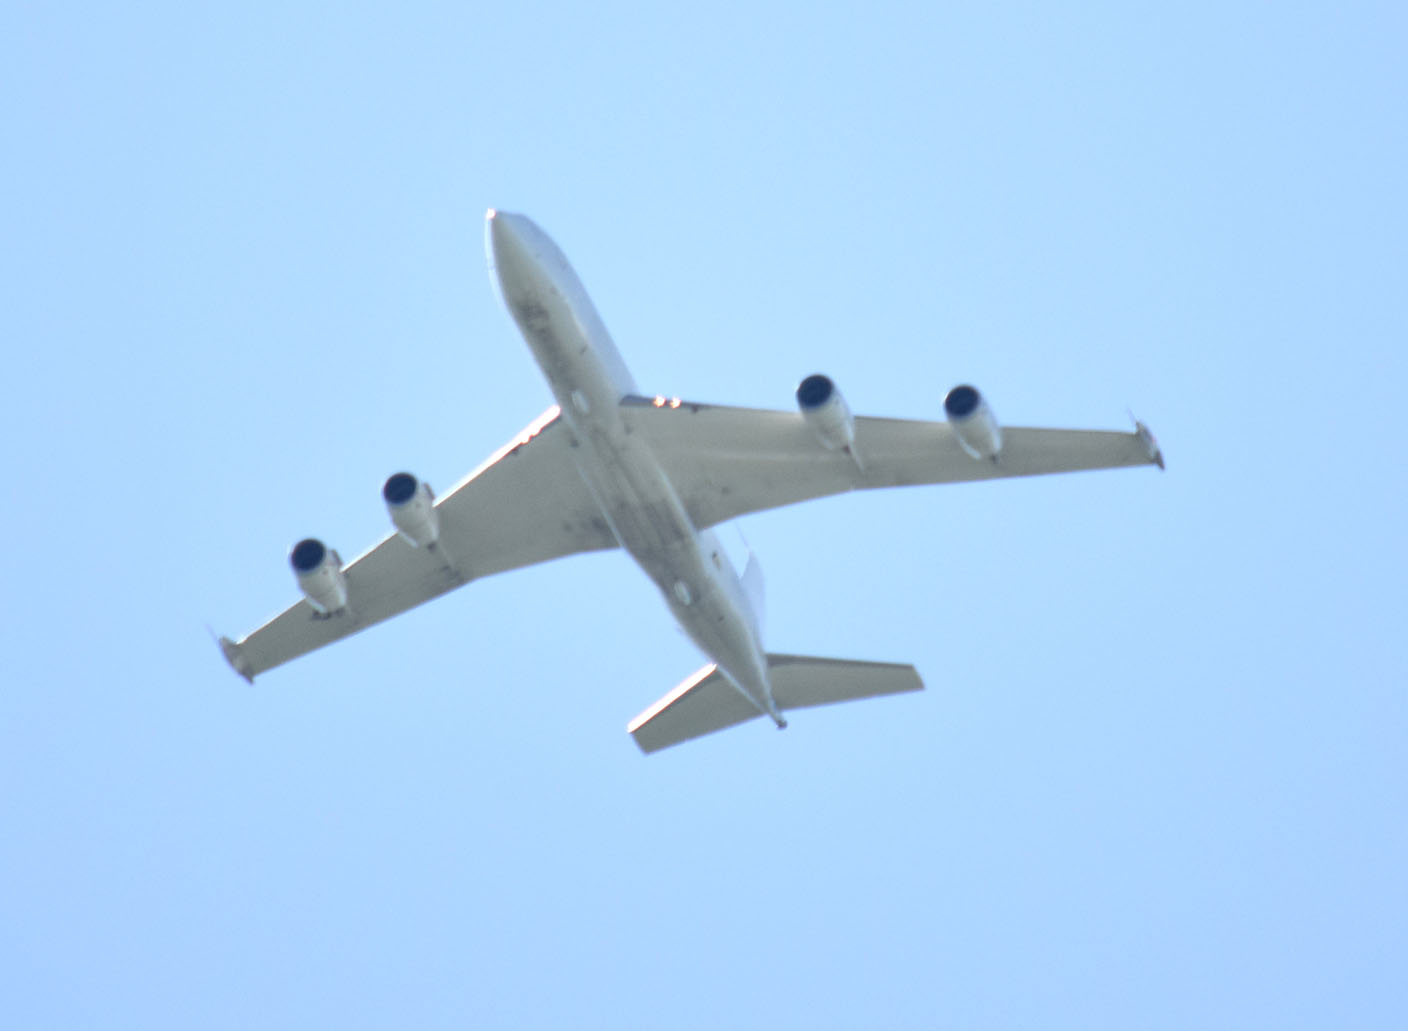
(608, 467)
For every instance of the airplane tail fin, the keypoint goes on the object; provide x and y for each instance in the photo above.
(707, 702)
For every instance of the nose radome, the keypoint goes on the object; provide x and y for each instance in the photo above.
(497, 223)
(508, 235)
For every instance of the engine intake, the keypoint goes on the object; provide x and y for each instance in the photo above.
(826, 412)
(318, 570)
(973, 422)
(411, 505)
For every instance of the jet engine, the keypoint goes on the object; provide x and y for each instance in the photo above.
(319, 572)
(973, 422)
(826, 412)
(411, 504)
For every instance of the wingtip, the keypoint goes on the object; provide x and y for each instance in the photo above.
(1151, 445)
(236, 658)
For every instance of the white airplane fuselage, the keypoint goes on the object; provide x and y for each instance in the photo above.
(637, 499)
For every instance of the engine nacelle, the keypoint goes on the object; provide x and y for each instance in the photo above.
(973, 422)
(319, 572)
(826, 412)
(411, 504)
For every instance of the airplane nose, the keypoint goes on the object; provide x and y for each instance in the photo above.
(506, 237)
(495, 228)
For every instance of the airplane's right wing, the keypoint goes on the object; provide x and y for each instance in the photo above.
(525, 504)
(726, 462)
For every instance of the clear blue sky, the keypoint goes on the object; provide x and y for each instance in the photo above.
(1158, 777)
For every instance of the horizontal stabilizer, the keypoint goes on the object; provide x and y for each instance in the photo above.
(707, 701)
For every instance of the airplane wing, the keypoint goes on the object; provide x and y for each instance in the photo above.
(525, 504)
(726, 462)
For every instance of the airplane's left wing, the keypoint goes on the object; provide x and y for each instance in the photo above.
(726, 461)
(526, 504)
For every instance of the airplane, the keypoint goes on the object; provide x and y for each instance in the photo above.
(609, 467)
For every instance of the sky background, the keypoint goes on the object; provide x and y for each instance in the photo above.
(1158, 778)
